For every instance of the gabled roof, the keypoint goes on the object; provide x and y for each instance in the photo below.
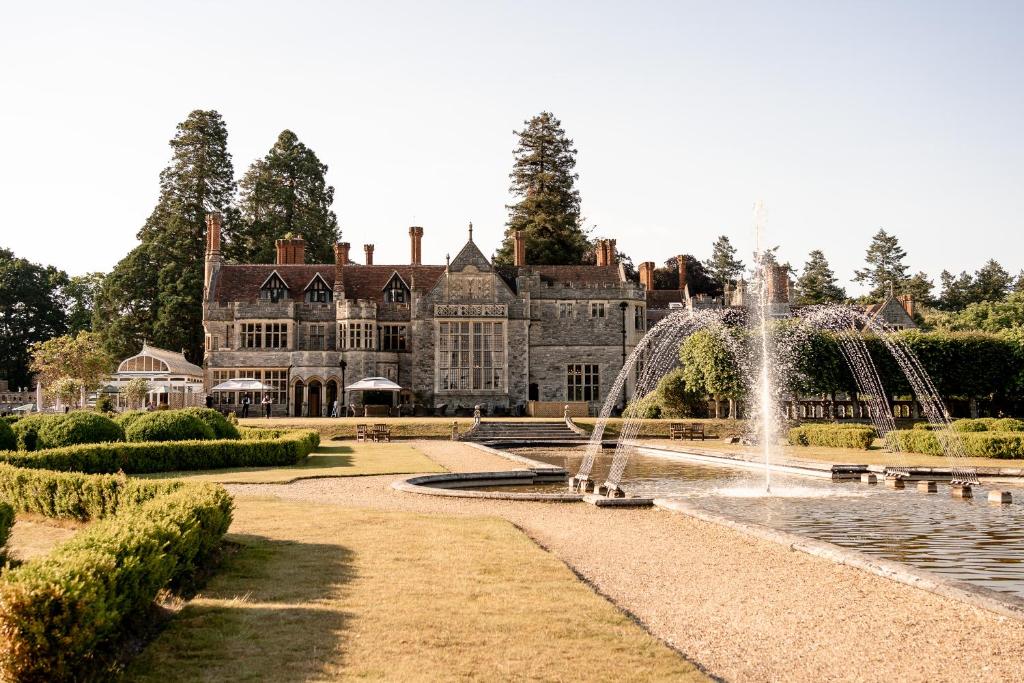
(368, 282)
(237, 282)
(470, 255)
(272, 274)
(317, 276)
(400, 279)
(176, 363)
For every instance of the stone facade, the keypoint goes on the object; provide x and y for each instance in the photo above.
(460, 334)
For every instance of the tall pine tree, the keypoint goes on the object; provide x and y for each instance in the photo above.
(817, 283)
(284, 193)
(548, 206)
(884, 266)
(991, 283)
(723, 266)
(199, 179)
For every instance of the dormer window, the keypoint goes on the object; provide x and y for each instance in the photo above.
(317, 291)
(396, 291)
(274, 289)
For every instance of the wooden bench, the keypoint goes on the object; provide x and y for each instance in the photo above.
(691, 431)
(381, 432)
(360, 432)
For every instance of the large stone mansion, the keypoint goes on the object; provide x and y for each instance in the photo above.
(461, 334)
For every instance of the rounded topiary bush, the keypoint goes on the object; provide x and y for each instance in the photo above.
(222, 429)
(77, 427)
(967, 425)
(8, 442)
(1007, 424)
(128, 418)
(168, 425)
(26, 431)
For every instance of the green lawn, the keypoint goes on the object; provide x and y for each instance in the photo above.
(322, 592)
(331, 459)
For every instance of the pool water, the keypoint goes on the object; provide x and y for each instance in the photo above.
(971, 540)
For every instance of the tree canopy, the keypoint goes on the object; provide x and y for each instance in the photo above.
(723, 266)
(885, 265)
(817, 282)
(284, 193)
(548, 204)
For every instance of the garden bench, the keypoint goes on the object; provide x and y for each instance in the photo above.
(381, 432)
(360, 432)
(678, 430)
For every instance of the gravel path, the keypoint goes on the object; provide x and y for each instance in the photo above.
(744, 608)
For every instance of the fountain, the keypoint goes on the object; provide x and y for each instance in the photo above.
(767, 366)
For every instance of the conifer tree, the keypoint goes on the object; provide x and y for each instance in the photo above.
(284, 193)
(723, 266)
(817, 283)
(919, 287)
(884, 266)
(198, 179)
(991, 283)
(32, 309)
(956, 290)
(548, 204)
(126, 304)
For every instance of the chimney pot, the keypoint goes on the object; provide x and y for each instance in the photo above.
(291, 250)
(213, 224)
(520, 248)
(647, 275)
(368, 249)
(681, 263)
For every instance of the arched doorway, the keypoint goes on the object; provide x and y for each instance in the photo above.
(297, 402)
(331, 395)
(315, 399)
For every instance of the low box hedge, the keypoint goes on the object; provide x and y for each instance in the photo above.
(1001, 445)
(168, 425)
(833, 435)
(63, 616)
(6, 522)
(78, 427)
(286, 448)
(8, 442)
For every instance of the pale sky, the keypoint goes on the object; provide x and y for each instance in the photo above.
(841, 117)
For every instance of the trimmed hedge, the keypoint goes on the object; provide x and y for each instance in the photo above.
(8, 442)
(222, 429)
(75, 428)
(981, 424)
(62, 617)
(26, 431)
(1007, 424)
(286, 447)
(833, 435)
(128, 418)
(6, 522)
(168, 425)
(1001, 445)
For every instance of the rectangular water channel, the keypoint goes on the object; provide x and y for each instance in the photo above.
(970, 540)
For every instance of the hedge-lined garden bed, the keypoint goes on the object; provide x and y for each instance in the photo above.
(256, 448)
(64, 616)
(1001, 445)
(855, 436)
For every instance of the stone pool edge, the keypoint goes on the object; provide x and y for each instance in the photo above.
(976, 596)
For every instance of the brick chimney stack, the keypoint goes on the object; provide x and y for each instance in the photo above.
(681, 262)
(341, 250)
(520, 248)
(416, 244)
(213, 257)
(907, 300)
(368, 249)
(647, 275)
(291, 250)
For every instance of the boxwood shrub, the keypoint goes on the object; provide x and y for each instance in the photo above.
(980, 424)
(75, 428)
(988, 444)
(128, 418)
(6, 522)
(168, 425)
(26, 431)
(1007, 424)
(288, 447)
(8, 442)
(833, 435)
(222, 429)
(63, 616)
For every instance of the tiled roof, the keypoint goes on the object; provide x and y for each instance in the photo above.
(242, 282)
(661, 298)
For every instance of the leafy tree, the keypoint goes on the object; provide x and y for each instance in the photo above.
(65, 389)
(548, 204)
(709, 367)
(920, 288)
(32, 309)
(817, 283)
(1018, 284)
(81, 292)
(126, 304)
(167, 268)
(884, 265)
(284, 193)
(723, 266)
(956, 290)
(991, 282)
(991, 316)
(697, 278)
(81, 358)
(135, 391)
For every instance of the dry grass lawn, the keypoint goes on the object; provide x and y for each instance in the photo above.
(35, 535)
(331, 459)
(321, 592)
